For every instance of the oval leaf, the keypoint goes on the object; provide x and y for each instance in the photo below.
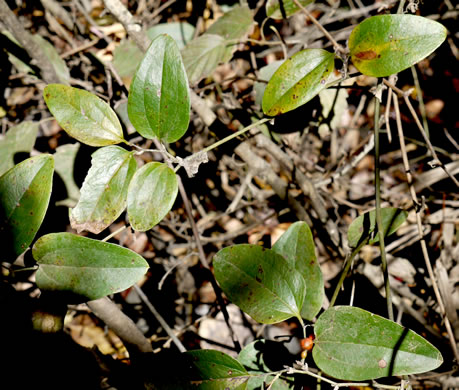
(273, 8)
(104, 191)
(83, 115)
(151, 195)
(24, 197)
(353, 344)
(387, 44)
(202, 56)
(159, 101)
(20, 138)
(260, 282)
(214, 370)
(89, 268)
(296, 246)
(298, 80)
(365, 226)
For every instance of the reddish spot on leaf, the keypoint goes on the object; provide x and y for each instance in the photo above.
(367, 55)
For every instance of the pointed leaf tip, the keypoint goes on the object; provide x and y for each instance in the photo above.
(260, 282)
(296, 245)
(159, 101)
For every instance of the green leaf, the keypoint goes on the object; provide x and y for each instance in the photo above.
(83, 115)
(232, 26)
(159, 101)
(365, 226)
(151, 195)
(273, 8)
(24, 197)
(65, 160)
(265, 74)
(260, 282)
(181, 32)
(127, 55)
(54, 58)
(353, 344)
(104, 191)
(387, 44)
(89, 268)
(262, 357)
(20, 138)
(298, 80)
(202, 56)
(296, 246)
(214, 370)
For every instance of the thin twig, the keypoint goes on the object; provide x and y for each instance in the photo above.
(421, 129)
(425, 252)
(422, 107)
(160, 319)
(379, 221)
(335, 44)
(347, 266)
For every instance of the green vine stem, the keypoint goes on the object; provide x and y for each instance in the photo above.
(234, 135)
(346, 269)
(379, 221)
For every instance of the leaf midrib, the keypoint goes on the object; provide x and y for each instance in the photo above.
(293, 312)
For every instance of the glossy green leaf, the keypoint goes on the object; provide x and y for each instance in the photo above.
(20, 138)
(353, 344)
(273, 9)
(202, 56)
(54, 58)
(127, 56)
(151, 195)
(214, 370)
(365, 226)
(25, 191)
(260, 282)
(298, 80)
(159, 101)
(65, 160)
(104, 191)
(262, 357)
(387, 44)
(296, 245)
(88, 268)
(83, 115)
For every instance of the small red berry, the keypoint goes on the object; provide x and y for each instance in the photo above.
(307, 343)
